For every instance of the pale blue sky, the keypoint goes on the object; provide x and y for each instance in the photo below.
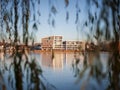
(66, 29)
(62, 27)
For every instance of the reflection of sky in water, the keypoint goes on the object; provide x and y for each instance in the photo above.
(59, 71)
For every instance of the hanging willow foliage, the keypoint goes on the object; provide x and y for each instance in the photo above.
(16, 13)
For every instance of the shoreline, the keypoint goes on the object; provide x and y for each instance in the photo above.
(59, 51)
(63, 51)
(43, 51)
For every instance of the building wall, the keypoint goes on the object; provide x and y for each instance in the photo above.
(55, 42)
(73, 45)
(52, 42)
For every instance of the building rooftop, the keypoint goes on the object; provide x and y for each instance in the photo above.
(52, 36)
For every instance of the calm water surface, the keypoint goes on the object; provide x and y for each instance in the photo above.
(59, 71)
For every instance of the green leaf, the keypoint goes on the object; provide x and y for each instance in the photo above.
(67, 16)
(53, 10)
(35, 26)
(66, 3)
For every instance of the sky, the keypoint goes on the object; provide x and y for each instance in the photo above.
(64, 28)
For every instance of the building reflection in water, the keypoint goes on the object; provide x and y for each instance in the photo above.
(55, 63)
(2, 56)
(60, 60)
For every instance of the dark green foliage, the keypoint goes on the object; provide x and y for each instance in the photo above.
(66, 2)
(53, 10)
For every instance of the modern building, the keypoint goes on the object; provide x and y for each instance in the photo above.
(73, 45)
(51, 42)
(56, 43)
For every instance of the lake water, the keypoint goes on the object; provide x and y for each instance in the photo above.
(60, 71)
